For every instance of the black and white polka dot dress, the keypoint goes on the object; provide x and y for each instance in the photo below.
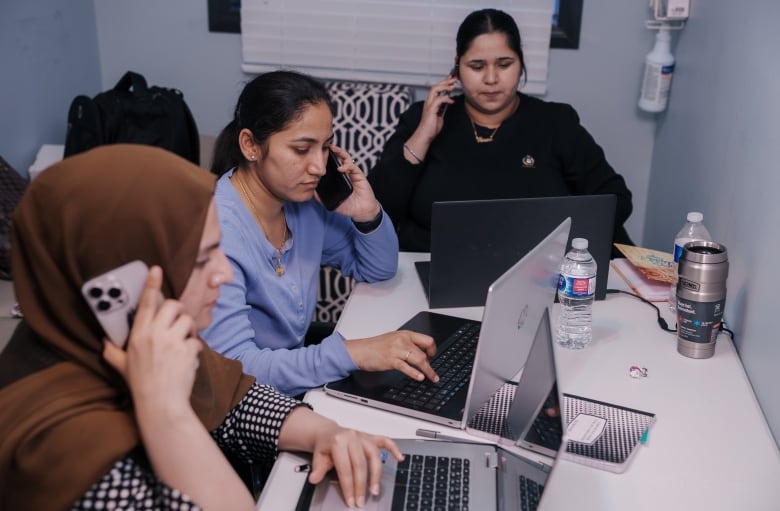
(250, 432)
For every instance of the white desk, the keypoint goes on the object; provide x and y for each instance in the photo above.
(710, 447)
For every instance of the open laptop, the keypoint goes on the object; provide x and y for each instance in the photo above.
(473, 242)
(502, 474)
(490, 353)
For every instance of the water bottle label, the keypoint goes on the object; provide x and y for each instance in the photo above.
(699, 321)
(577, 287)
(677, 252)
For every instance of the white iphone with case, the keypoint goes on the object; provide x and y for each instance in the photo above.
(114, 296)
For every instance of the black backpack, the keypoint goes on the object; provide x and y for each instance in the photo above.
(132, 112)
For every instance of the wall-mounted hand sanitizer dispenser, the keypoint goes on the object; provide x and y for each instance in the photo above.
(670, 10)
(659, 63)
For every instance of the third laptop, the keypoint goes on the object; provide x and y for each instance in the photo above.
(473, 359)
(475, 241)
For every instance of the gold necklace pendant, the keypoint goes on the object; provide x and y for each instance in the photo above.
(245, 192)
(480, 139)
(279, 267)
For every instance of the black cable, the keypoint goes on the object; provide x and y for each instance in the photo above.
(724, 329)
(661, 321)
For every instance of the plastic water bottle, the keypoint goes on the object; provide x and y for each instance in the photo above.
(693, 230)
(576, 290)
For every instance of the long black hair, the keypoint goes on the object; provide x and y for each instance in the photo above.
(266, 106)
(489, 21)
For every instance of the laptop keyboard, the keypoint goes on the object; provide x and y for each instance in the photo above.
(530, 493)
(549, 430)
(431, 483)
(453, 365)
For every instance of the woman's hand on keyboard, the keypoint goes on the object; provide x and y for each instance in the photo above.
(402, 350)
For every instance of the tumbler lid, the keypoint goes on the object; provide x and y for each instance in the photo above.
(704, 252)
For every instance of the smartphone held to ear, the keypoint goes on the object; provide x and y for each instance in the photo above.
(334, 187)
(443, 107)
(113, 298)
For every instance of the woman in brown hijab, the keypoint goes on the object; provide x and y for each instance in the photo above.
(85, 424)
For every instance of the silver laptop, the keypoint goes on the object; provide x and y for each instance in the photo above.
(475, 241)
(499, 474)
(474, 359)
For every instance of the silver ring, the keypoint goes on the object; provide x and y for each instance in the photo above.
(407, 355)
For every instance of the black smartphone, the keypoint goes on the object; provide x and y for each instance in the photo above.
(443, 107)
(334, 187)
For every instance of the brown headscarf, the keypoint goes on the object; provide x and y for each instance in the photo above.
(65, 416)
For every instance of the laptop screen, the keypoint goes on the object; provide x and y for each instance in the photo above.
(527, 414)
(474, 242)
(534, 420)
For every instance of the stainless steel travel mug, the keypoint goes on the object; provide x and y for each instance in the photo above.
(701, 297)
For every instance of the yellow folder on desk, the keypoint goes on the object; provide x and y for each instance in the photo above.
(652, 290)
(653, 264)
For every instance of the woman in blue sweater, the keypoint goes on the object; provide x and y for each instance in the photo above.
(276, 234)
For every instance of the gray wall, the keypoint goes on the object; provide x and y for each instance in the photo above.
(175, 49)
(601, 80)
(716, 151)
(48, 54)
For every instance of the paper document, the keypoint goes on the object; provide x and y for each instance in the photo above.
(652, 290)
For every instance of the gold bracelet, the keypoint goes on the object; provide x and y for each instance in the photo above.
(419, 160)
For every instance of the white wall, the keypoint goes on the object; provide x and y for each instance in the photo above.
(601, 79)
(48, 53)
(173, 49)
(716, 152)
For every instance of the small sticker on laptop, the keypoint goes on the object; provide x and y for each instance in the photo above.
(586, 429)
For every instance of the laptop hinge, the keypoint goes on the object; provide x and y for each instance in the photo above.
(491, 459)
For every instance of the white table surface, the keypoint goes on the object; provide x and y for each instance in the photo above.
(710, 447)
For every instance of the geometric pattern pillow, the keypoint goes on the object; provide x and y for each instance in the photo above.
(366, 116)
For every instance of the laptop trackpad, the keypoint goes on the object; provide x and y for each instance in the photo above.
(327, 495)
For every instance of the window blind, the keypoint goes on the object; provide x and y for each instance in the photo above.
(409, 42)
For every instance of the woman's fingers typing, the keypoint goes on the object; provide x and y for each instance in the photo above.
(402, 350)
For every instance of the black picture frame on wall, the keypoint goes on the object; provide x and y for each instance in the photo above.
(566, 30)
(225, 16)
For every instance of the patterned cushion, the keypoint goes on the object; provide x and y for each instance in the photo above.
(366, 116)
